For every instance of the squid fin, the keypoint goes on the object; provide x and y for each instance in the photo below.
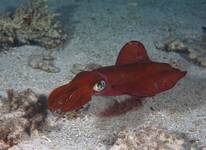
(132, 52)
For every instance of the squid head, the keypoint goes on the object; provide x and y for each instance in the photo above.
(78, 92)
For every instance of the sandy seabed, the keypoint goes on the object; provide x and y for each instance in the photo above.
(97, 31)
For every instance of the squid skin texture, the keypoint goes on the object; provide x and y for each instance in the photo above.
(133, 74)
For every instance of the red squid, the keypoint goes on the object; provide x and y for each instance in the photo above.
(133, 74)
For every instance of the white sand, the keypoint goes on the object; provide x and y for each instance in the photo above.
(98, 31)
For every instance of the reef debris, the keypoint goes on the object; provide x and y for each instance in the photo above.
(22, 114)
(194, 48)
(79, 113)
(31, 24)
(154, 138)
(76, 68)
(43, 62)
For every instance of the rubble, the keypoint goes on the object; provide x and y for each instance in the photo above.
(22, 114)
(31, 24)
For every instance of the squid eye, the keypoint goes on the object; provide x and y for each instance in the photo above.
(99, 86)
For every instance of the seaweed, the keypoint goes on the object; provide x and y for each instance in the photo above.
(31, 24)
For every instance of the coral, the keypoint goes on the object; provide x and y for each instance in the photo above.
(194, 48)
(42, 62)
(22, 114)
(32, 23)
(153, 138)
